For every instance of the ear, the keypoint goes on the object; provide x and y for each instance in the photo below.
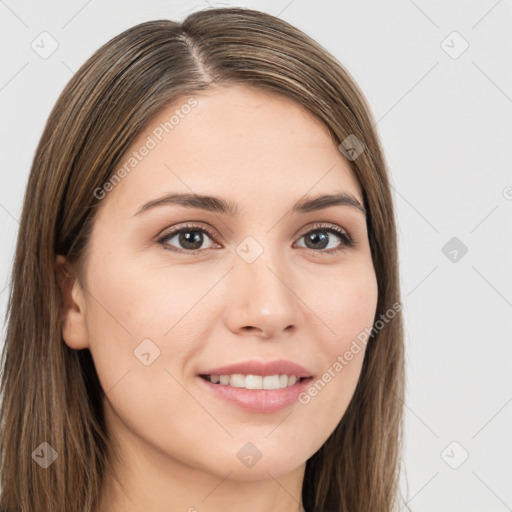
(74, 325)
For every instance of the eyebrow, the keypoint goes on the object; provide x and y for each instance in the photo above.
(226, 207)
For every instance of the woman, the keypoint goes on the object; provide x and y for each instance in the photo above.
(205, 307)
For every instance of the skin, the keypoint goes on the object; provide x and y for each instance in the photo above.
(178, 443)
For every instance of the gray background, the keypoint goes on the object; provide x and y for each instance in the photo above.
(445, 121)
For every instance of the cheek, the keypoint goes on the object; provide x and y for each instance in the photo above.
(348, 305)
(348, 308)
(142, 334)
(145, 324)
(139, 300)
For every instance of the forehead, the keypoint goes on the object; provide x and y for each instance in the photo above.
(235, 142)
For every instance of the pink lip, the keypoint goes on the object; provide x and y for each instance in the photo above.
(257, 400)
(278, 367)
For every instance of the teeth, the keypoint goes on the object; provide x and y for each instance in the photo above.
(239, 380)
(253, 382)
(273, 382)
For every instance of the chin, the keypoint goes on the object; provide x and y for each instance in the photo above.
(262, 469)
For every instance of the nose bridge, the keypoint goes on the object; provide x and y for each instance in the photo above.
(262, 295)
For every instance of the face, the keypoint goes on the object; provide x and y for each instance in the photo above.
(172, 291)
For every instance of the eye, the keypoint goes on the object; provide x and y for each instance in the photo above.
(320, 238)
(189, 238)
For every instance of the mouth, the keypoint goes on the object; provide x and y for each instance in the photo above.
(262, 394)
(267, 382)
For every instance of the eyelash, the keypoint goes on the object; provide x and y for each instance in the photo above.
(346, 239)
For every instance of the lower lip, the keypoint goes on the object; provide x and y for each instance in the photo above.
(258, 400)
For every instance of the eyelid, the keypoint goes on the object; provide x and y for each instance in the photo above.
(327, 226)
(342, 233)
(169, 233)
(347, 241)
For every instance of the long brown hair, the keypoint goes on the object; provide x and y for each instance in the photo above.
(51, 393)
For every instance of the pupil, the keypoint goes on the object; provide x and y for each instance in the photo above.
(188, 241)
(318, 236)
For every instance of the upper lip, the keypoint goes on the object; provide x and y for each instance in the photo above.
(277, 367)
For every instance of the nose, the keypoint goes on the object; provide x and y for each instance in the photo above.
(262, 301)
